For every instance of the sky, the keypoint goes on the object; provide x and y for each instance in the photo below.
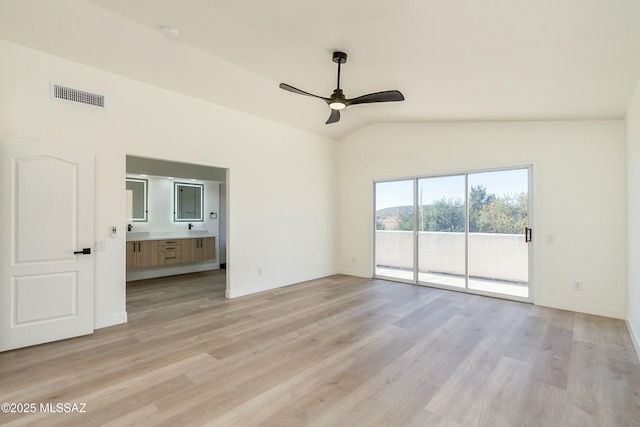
(400, 193)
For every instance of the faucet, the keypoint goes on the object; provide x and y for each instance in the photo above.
(190, 226)
(129, 227)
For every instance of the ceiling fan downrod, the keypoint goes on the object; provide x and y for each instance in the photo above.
(339, 58)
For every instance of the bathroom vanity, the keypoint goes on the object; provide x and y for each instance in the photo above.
(149, 253)
(160, 254)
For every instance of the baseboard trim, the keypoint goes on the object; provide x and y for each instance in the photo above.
(110, 320)
(597, 310)
(634, 338)
(234, 292)
(356, 273)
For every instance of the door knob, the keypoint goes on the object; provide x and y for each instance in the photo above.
(84, 251)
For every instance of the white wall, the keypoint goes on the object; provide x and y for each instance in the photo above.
(633, 217)
(579, 196)
(281, 180)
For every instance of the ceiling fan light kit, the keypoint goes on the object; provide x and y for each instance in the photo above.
(337, 101)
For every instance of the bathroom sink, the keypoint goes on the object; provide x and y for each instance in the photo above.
(159, 235)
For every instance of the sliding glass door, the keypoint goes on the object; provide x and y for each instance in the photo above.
(467, 231)
(499, 215)
(394, 224)
(441, 230)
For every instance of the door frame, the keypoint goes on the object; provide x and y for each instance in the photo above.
(177, 170)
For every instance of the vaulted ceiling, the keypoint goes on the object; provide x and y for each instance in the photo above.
(453, 60)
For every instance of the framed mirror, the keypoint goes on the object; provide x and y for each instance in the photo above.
(137, 199)
(188, 202)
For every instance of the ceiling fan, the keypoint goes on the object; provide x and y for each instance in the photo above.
(337, 100)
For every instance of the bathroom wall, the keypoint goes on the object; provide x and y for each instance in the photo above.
(160, 206)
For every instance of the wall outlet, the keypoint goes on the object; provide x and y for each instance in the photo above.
(260, 271)
(353, 260)
(577, 286)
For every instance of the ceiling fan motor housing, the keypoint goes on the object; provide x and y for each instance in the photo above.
(337, 100)
(339, 57)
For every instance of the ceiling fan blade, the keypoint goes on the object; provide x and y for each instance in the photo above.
(386, 96)
(334, 117)
(299, 92)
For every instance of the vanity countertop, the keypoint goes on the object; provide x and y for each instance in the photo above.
(161, 235)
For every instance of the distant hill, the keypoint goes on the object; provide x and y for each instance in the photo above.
(394, 211)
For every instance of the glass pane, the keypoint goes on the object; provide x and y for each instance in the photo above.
(394, 229)
(498, 215)
(441, 227)
(188, 202)
(138, 187)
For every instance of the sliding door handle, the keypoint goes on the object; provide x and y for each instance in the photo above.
(528, 235)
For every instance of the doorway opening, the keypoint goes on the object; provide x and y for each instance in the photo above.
(176, 223)
(468, 231)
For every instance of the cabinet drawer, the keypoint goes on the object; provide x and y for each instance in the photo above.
(169, 246)
(169, 257)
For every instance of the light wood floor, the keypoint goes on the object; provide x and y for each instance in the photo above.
(339, 351)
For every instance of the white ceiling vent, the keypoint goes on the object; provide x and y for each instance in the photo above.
(76, 95)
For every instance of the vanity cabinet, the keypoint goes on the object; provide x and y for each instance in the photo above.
(199, 249)
(149, 253)
(143, 253)
(208, 246)
(169, 252)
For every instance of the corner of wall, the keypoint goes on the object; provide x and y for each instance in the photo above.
(634, 338)
(632, 125)
(356, 273)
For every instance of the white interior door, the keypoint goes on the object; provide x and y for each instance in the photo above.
(46, 206)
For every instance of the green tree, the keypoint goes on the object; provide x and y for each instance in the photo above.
(405, 221)
(488, 213)
(505, 214)
(380, 224)
(478, 199)
(443, 215)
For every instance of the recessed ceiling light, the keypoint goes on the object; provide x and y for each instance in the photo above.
(193, 180)
(143, 175)
(170, 31)
(169, 177)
